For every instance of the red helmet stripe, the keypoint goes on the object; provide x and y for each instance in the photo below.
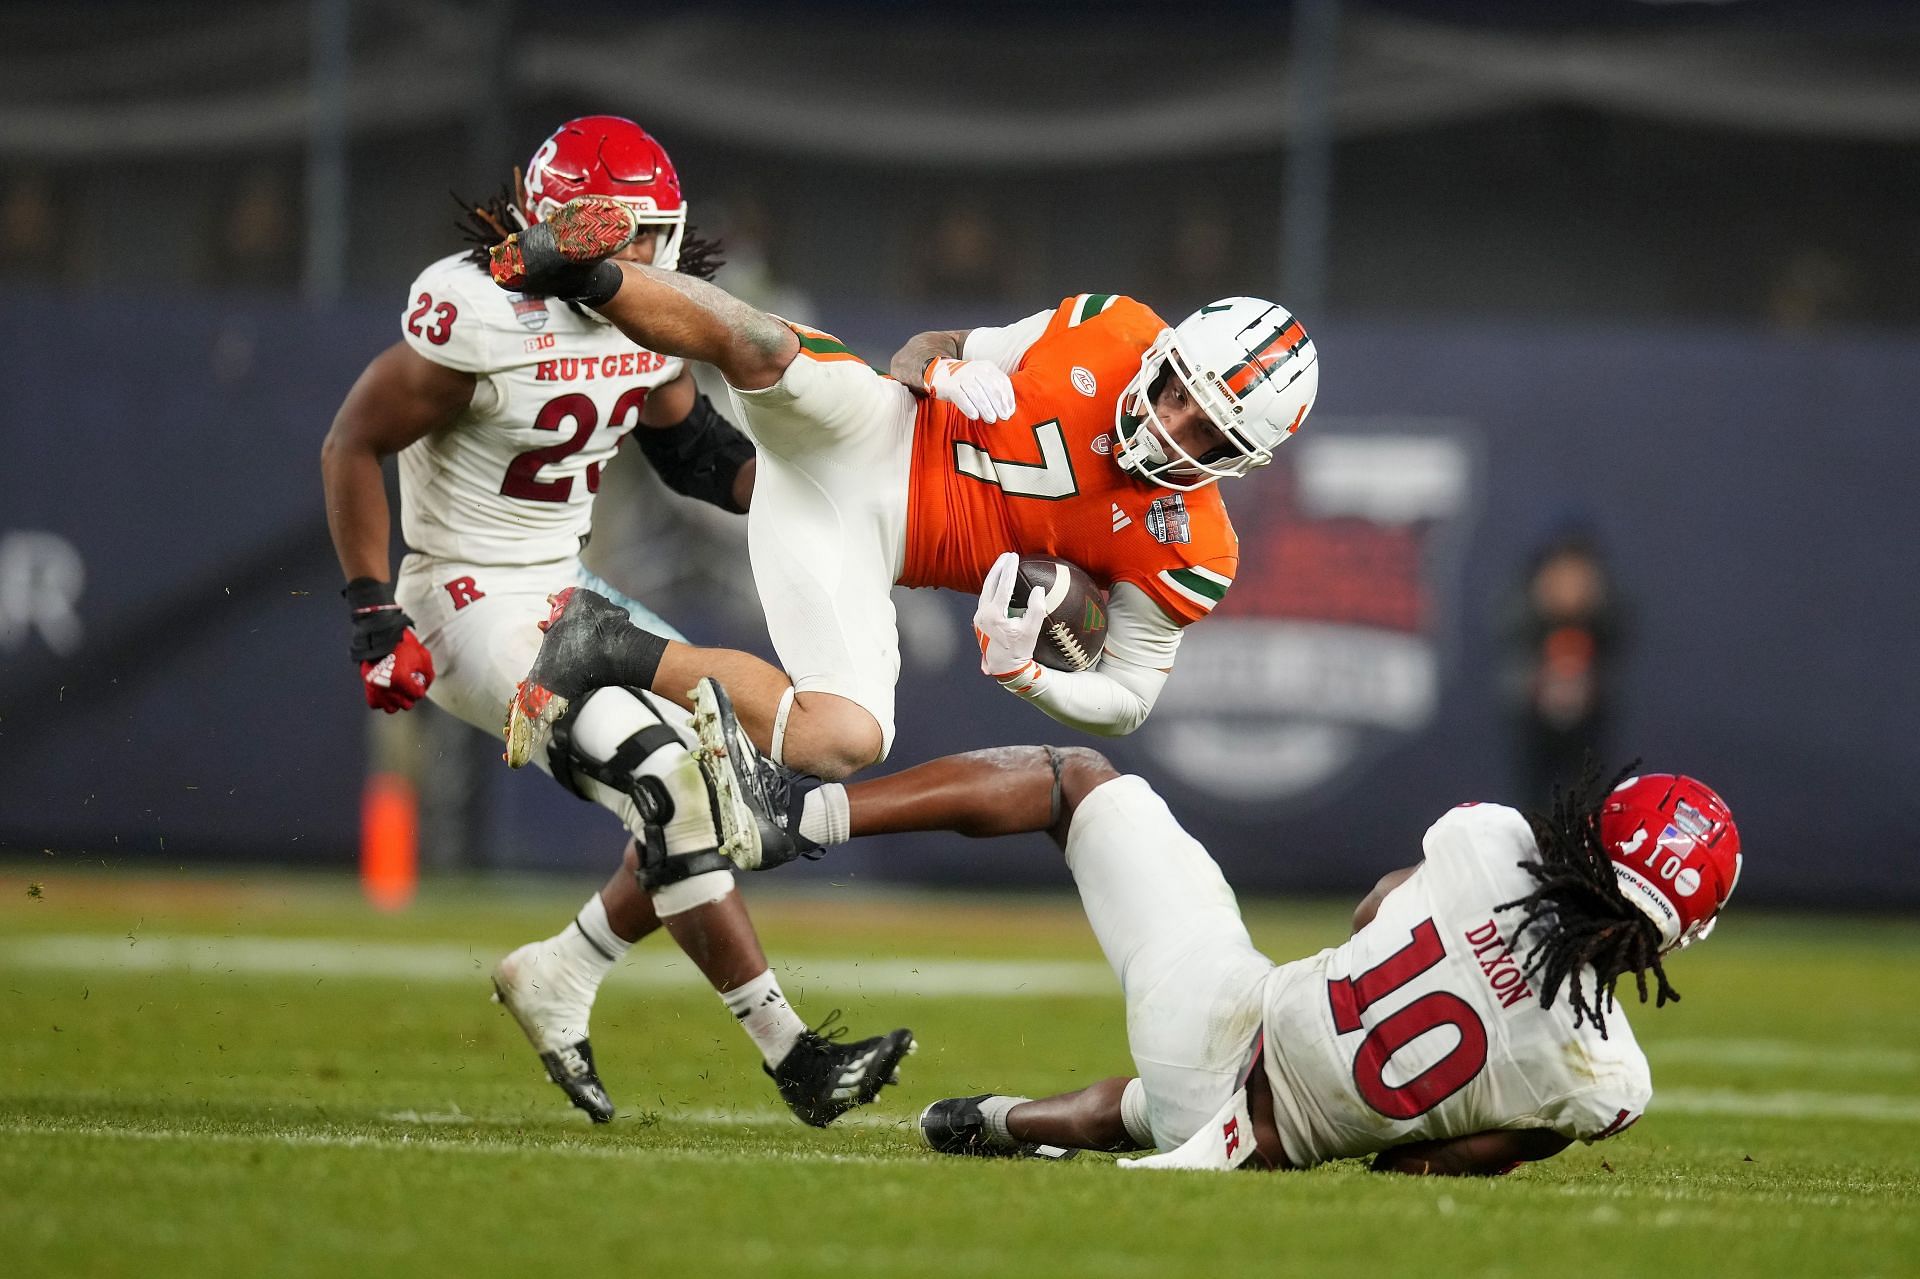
(1259, 365)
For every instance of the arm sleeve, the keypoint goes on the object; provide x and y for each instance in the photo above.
(1006, 347)
(1113, 698)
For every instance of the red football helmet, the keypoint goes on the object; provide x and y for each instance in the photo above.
(612, 156)
(1675, 851)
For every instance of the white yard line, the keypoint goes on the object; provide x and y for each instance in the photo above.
(1781, 1053)
(437, 1143)
(1786, 1105)
(656, 968)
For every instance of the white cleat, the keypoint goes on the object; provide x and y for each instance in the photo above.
(552, 1008)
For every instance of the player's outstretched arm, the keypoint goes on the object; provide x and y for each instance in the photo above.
(676, 314)
(569, 255)
(1480, 1154)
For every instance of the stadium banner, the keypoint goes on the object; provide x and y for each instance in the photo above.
(174, 682)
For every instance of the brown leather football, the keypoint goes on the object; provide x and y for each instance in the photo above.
(1076, 628)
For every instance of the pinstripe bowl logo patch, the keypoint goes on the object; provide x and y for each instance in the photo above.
(1168, 521)
(530, 311)
(1325, 648)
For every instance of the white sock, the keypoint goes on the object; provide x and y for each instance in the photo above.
(588, 947)
(766, 1016)
(825, 816)
(1133, 1114)
(995, 1110)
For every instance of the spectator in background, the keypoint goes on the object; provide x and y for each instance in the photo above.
(260, 235)
(1813, 290)
(964, 257)
(1563, 634)
(1197, 262)
(30, 247)
(746, 234)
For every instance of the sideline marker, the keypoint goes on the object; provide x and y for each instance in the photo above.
(389, 841)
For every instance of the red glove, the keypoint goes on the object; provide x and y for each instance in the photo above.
(398, 680)
(395, 667)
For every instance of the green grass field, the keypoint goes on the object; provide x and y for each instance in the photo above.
(256, 1075)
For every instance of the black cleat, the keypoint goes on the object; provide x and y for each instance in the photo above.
(956, 1126)
(756, 801)
(561, 256)
(821, 1079)
(574, 657)
(572, 1068)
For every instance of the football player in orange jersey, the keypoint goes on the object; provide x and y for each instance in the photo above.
(1092, 432)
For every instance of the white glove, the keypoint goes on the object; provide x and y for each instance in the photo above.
(1006, 643)
(975, 387)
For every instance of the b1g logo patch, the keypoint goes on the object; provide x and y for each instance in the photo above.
(531, 312)
(1168, 521)
(1327, 651)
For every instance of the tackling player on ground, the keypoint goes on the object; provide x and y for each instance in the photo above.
(1091, 431)
(1467, 1026)
(503, 409)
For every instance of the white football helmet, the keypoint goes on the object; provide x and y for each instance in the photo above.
(1249, 366)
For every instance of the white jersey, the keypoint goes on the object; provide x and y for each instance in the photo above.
(1424, 1026)
(511, 481)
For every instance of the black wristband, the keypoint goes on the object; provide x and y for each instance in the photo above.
(599, 286)
(699, 457)
(378, 622)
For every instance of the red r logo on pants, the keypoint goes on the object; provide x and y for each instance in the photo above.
(464, 592)
(1231, 1131)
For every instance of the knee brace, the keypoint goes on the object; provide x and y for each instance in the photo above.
(699, 888)
(569, 764)
(660, 871)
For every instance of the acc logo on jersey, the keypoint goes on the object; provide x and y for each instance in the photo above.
(1327, 652)
(1083, 382)
(1168, 521)
(530, 311)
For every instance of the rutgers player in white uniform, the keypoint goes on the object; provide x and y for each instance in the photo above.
(1467, 1025)
(503, 410)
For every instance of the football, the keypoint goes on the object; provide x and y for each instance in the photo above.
(1076, 628)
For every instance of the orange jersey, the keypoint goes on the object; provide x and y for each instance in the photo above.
(1045, 482)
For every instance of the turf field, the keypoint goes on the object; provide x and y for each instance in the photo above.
(255, 1075)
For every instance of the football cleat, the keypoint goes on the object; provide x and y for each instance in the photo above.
(573, 659)
(956, 1126)
(529, 985)
(755, 802)
(821, 1078)
(554, 256)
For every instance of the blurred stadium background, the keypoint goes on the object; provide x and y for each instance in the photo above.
(1639, 276)
(1648, 272)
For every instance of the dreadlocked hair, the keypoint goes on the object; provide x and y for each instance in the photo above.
(487, 223)
(1585, 920)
